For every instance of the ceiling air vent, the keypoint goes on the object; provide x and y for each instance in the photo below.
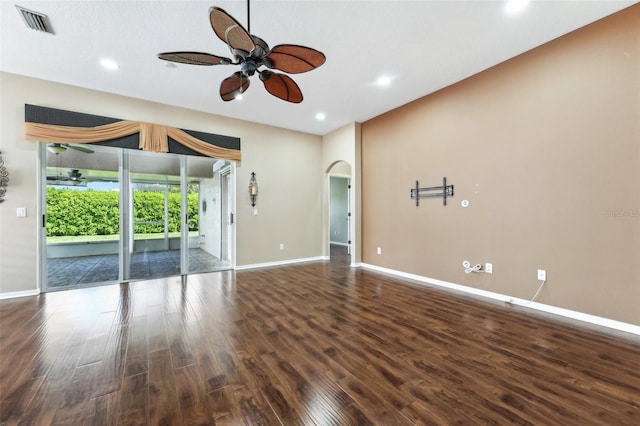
(35, 20)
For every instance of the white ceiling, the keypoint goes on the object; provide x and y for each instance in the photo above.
(422, 45)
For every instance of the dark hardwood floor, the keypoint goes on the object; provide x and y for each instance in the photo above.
(312, 344)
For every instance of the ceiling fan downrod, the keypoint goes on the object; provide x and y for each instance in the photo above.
(249, 16)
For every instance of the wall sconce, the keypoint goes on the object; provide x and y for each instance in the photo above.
(253, 189)
(4, 178)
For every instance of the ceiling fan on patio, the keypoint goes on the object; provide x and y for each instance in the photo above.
(73, 177)
(59, 148)
(252, 53)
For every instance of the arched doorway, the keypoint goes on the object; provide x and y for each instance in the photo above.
(340, 219)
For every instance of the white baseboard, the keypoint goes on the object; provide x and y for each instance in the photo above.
(15, 294)
(280, 262)
(567, 313)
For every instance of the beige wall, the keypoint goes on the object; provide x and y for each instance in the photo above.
(288, 170)
(546, 148)
(287, 164)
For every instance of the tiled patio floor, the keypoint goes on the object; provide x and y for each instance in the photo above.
(76, 271)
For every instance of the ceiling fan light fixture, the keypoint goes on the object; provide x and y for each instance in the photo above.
(252, 53)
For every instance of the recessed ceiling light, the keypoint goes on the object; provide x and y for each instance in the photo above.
(109, 64)
(515, 6)
(321, 116)
(384, 80)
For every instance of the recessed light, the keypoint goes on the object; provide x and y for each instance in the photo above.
(321, 116)
(109, 64)
(384, 80)
(515, 6)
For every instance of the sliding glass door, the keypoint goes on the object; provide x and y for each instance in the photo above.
(116, 215)
(81, 220)
(155, 225)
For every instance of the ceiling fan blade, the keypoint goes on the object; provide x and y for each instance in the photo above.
(230, 31)
(294, 59)
(56, 148)
(234, 85)
(281, 86)
(81, 148)
(194, 58)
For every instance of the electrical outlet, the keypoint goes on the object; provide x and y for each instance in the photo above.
(379, 250)
(281, 246)
(488, 268)
(466, 264)
(542, 275)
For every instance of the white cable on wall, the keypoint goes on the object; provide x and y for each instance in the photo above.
(471, 269)
(537, 292)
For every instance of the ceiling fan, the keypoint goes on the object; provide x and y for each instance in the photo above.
(73, 177)
(59, 148)
(252, 53)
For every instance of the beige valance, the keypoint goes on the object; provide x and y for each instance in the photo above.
(153, 137)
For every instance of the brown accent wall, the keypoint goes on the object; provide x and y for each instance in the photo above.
(546, 148)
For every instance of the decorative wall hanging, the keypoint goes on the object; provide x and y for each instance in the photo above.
(4, 179)
(418, 193)
(253, 189)
(63, 127)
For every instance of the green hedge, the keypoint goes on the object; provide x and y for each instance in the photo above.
(74, 213)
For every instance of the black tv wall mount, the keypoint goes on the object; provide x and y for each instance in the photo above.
(445, 191)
